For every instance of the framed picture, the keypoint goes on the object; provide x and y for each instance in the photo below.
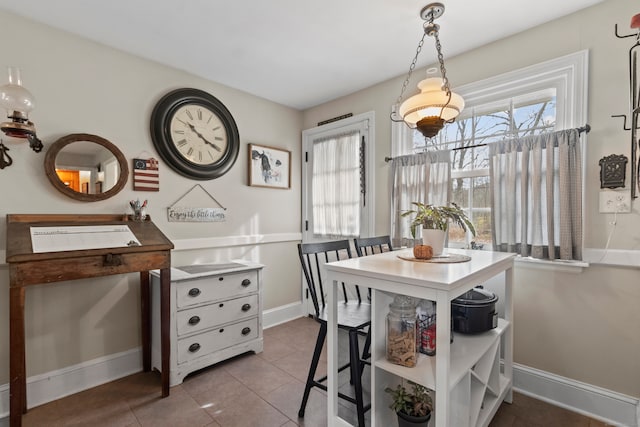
(269, 167)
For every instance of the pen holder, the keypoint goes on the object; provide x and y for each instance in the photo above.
(139, 210)
(140, 214)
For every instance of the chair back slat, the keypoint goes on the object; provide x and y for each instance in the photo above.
(372, 245)
(312, 257)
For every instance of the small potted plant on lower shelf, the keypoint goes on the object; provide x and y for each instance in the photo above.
(413, 408)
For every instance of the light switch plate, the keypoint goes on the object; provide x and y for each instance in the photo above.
(615, 201)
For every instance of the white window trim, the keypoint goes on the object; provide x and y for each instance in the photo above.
(569, 74)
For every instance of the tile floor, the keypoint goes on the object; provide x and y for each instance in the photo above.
(261, 390)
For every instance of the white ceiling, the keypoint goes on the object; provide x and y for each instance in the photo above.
(295, 52)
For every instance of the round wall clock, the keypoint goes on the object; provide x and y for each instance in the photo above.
(195, 134)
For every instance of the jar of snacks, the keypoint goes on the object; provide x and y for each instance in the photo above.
(401, 332)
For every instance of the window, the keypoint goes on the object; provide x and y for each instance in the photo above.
(530, 101)
(337, 179)
(335, 196)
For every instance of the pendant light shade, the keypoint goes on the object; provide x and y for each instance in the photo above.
(432, 107)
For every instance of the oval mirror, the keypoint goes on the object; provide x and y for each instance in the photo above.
(86, 167)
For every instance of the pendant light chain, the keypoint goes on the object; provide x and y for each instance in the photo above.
(411, 68)
(443, 70)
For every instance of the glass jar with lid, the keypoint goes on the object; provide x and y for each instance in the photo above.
(402, 346)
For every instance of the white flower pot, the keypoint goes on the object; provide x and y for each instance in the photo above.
(435, 239)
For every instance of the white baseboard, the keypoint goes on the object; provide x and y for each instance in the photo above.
(73, 379)
(282, 314)
(605, 405)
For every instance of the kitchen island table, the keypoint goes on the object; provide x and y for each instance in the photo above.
(466, 375)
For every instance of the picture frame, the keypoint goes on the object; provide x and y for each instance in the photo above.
(269, 167)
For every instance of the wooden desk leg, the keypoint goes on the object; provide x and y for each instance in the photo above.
(145, 309)
(17, 374)
(165, 344)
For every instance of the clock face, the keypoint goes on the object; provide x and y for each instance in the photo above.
(195, 134)
(198, 134)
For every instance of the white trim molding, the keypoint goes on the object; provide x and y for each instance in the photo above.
(63, 382)
(217, 242)
(282, 314)
(57, 384)
(230, 241)
(595, 402)
(612, 257)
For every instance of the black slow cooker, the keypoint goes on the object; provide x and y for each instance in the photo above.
(474, 311)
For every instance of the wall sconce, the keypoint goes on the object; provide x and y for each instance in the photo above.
(18, 102)
(435, 105)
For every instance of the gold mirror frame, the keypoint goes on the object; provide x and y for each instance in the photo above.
(50, 167)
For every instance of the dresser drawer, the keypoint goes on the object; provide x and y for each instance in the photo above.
(207, 316)
(200, 345)
(215, 288)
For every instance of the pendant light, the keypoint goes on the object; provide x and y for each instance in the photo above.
(436, 104)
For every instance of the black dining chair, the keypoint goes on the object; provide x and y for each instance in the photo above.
(370, 246)
(354, 316)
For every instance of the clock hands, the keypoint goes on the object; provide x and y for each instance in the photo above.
(193, 128)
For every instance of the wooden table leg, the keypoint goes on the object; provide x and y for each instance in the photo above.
(165, 343)
(145, 309)
(17, 375)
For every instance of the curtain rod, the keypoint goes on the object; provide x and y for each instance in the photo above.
(586, 128)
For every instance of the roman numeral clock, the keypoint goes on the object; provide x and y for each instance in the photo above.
(195, 134)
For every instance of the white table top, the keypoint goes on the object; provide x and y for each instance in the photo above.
(389, 267)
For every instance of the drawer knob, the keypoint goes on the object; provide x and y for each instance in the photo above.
(194, 320)
(194, 292)
(246, 331)
(221, 305)
(246, 282)
(246, 307)
(194, 347)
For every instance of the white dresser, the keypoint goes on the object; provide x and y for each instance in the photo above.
(215, 312)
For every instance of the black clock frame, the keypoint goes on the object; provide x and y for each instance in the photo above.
(161, 133)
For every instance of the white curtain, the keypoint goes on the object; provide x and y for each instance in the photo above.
(336, 185)
(537, 195)
(423, 177)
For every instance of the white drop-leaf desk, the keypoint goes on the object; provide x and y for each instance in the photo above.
(466, 375)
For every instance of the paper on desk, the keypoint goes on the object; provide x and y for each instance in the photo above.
(79, 237)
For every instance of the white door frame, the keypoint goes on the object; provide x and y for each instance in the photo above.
(368, 211)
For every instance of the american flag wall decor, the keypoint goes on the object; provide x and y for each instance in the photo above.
(145, 175)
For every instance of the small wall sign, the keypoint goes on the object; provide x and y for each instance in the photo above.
(184, 214)
(196, 214)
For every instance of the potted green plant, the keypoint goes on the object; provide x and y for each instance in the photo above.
(432, 217)
(413, 408)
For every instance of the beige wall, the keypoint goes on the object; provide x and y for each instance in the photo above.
(582, 326)
(82, 86)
